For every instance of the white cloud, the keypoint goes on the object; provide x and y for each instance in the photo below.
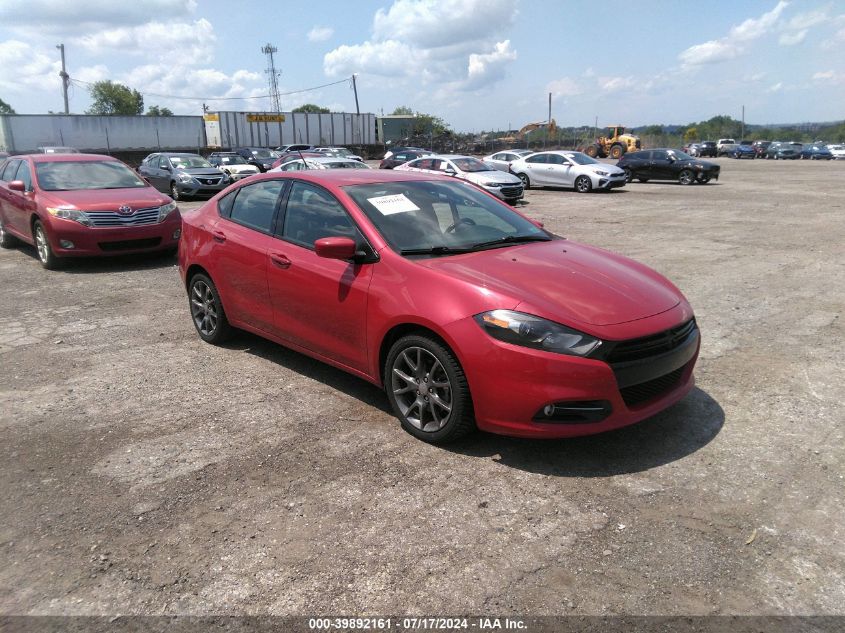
(54, 16)
(564, 87)
(320, 33)
(413, 40)
(776, 87)
(754, 28)
(24, 68)
(709, 53)
(830, 77)
(183, 41)
(791, 39)
(617, 84)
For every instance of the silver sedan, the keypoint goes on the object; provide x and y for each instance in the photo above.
(567, 169)
(501, 160)
(505, 186)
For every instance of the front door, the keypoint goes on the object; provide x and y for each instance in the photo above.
(319, 303)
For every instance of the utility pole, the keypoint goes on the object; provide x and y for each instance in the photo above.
(268, 49)
(355, 90)
(65, 77)
(742, 135)
(549, 121)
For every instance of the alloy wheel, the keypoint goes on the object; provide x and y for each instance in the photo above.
(204, 309)
(41, 244)
(422, 389)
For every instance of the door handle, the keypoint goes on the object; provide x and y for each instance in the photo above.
(280, 260)
(219, 236)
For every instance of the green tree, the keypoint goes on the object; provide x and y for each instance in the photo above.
(113, 98)
(156, 111)
(403, 111)
(5, 108)
(691, 134)
(310, 108)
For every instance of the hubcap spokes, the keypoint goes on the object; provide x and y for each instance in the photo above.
(41, 244)
(422, 389)
(203, 308)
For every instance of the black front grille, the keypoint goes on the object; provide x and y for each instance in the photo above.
(636, 394)
(130, 245)
(512, 192)
(640, 348)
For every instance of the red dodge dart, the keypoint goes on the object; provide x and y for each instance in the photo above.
(71, 205)
(469, 314)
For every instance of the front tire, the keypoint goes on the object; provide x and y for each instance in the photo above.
(629, 177)
(428, 390)
(175, 193)
(46, 256)
(686, 177)
(207, 311)
(703, 179)
(617, 151)
(583, 184)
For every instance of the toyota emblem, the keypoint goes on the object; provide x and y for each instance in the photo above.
(124, 210)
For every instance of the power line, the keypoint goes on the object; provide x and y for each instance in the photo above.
(281, 94)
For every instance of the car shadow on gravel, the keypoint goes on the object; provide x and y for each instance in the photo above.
(667, 437)
(342, 381)
(108, 264)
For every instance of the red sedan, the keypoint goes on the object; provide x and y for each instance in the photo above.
(465, 311)
(71, 205)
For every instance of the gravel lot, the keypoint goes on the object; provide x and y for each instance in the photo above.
(143, 471)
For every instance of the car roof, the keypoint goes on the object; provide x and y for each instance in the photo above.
(178, 154)
(68, 158)
(345, 177)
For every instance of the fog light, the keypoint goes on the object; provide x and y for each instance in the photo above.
(177, 233)
(549, 410)
(66, 244)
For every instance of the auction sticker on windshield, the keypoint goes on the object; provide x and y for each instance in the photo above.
(388, 205)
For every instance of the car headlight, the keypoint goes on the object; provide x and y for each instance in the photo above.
(497, 185)
(70, 214)
(165, 210)
(532, 331)
(599, 172)
(184, 177)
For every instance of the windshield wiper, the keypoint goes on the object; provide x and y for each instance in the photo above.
(434, 250)
(513, 239)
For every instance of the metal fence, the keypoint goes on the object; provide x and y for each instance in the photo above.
(249, 129)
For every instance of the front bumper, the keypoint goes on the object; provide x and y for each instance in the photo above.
(201, 189)
(511, 193)
(95, 241)
(610, 183)
(511, 386)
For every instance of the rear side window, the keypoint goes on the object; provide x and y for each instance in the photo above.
(255, 205)
(539, 158)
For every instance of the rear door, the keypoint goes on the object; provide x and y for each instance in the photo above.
(537, 167)
(242, 239)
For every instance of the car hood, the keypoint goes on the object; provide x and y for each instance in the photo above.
(487, 177)
(105, 199)
(564, 281)
(239, 169)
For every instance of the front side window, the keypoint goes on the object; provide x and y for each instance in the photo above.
(255, 205)
(25, 175)
(10, 170)
(313, 213)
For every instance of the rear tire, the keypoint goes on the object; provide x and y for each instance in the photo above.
(583, 184)
(592, 151)
(428, 390)
(207, 311)
(6, 240)
(526, 182)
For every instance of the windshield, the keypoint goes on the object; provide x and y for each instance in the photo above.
(71, 176)
(263, 153)
(468, 164)
(232, 159)
(580, 159)
(345, 164)
(342, 151)
(189, 162)
(444, 217)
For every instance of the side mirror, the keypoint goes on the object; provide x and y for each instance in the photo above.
(335, 247)
(450, 172)
(17, 185)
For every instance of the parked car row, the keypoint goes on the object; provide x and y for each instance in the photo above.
(764, 149)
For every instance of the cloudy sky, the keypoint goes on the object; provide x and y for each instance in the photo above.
(479, 64)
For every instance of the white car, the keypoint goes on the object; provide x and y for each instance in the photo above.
(838, 151)
(338, 152)
(327, 162)
(502, 185)
(725, 146)
(567, 169)
(501, 160)
(232, 164)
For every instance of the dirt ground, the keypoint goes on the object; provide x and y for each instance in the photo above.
(145, 472)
